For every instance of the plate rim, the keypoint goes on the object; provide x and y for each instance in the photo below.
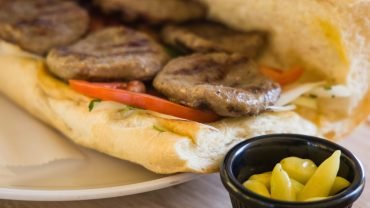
(32, 194)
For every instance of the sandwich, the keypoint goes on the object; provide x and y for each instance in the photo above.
(176, 94)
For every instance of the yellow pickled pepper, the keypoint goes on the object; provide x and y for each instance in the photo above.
(315, 199)
(263, 178)
(339, 184)
(257, 187)
(321, 182)
(281, 185)
(296, 185)
(299, 169)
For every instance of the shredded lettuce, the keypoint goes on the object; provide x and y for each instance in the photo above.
(332, 91)
(281, 108)
(307, 94)
(294, 92)
(307, 102)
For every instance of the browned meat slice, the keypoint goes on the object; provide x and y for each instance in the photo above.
(206, 37)
(116, 53)
(154, 11)
(39, 25)
(230, 85)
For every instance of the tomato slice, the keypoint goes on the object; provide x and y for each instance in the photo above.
(107, 91)
(282, 77)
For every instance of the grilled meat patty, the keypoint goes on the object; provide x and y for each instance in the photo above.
(230, 85)
(206, 37)
(154, 11)
(39, 25)
(115, 53)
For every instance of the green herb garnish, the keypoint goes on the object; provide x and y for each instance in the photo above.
(158, 128)
(312, 96)
(328, 87)
(128, 108)
(92, 104)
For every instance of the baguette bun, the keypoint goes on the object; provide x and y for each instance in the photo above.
(328, 38)
(160, 143)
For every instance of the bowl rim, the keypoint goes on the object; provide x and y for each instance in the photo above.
(237, 189)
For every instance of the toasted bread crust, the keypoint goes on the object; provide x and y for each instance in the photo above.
(331, 39)
(160, 143)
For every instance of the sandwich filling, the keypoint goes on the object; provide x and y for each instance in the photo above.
(227, 84)
(209, 70)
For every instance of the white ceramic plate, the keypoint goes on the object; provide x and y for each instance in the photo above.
(92, 176)
(85, 193)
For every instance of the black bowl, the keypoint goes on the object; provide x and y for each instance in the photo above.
(260, 154)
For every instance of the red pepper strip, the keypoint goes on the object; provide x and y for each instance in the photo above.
(141, 100)
(282, 77)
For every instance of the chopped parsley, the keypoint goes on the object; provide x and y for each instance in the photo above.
(92, 104)
(128, 108)
(328, 87)
(312, 96)
(158, 128)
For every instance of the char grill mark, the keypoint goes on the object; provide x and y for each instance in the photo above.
(39, 25)
(134, 44)
(230, 85)
(116, 53)
(206, 37)
(112, 55)
(154, 11)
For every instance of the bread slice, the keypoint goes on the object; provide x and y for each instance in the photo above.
(160, 143)
(329, 38)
